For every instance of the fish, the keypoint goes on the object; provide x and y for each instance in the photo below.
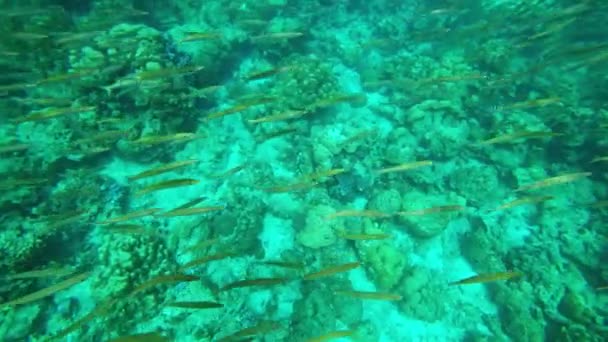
(594, 160)
(191, 203)
(290, 187)
(519, 135)
(198, 36)
(151, 140)
(163, 169)
(118, 12)
(61, 216)
(552, 29)
(64, 220)
(201, 245)
(400, 83)
(104, 136)
(256, 99)
(332, 336)
(254, 282)
(148, 75)
(276, 36)
(59, 78)
(163, 280)
(30, 11)
(164, 185)
(258, 75)
(572, 11)
(206, 259)
(69, 38)
(358, 137)
(405, 167)
(43, 273)
(433, 210)
(533, 103)
(43, 101)
(599, 204)
(332, 270)
(371, 295)
(202, 92)
(243, 105)
(228, 111)
(130, 83)
(285, 264)
(588, 62)
(49, 291)
(378, 43)
(524, 200)
(455, 78)
(189, 211)
(323, 174)
(277, 133)
(263, 327)
(16, 86)
(253, 22)
(131, 216)
(229, 172)
(97, 311)
(135, 229)
(551, 181)
(196, 305)
(14, 147)
(357, 99)
(579, 52)
(364, 237)
(356, 213)
(143, 337)
(23, 182)
(287, 115)
(488, 277)
(445, 11)
(110, 121)
(91, 151)
(31, 36)
(125, 226)
(53, 113)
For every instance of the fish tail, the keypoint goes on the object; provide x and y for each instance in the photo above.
(107, 89)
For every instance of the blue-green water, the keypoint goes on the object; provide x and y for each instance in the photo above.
(296, 170)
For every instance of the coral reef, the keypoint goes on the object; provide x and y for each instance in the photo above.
(292, 170)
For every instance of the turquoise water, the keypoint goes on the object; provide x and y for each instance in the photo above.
(293, 170)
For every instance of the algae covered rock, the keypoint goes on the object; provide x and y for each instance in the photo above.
(386, 201)
(440, 126)
(577, 332)
(311, 80)
(402, 146)
(385, 261)
(573, 306)
(313, 314)
(521, 326)
(319, 232)
(16, 325)
(323, 157)
(515, 313)
(124, 264)
(481, 249)
(423, 300)
(477, 182)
